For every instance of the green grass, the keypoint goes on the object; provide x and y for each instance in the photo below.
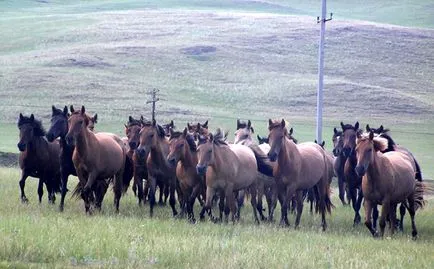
(38, 235)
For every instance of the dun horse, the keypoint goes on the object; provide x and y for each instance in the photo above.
(153, 143)
(388, 179)
(96, 157)
(299, 167)
(38, 158)
(183, 156)
(229, 168)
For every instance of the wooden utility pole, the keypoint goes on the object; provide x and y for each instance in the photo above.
(153, 100)
(319, 100)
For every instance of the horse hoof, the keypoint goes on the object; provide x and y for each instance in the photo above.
(283, 224)
(24, 200)
(376, 234)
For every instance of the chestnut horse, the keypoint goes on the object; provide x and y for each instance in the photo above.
(59, 129)
(388, 179)
(153, 143)
(96, 157)
(38, 158)
(227, 167)
(299, 167)
(183, 156)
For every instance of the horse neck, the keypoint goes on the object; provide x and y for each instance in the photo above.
(83, 142)
(219, 163)
(37, 144)
(374, 170)
(288, 154)
(160, 151)
(188, 158)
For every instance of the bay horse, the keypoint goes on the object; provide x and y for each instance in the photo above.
(38, 158)
(59, 129)
(264, 140)
(228, 168)
(388, 179)
(167, 127)
(96, 157)
(198, 130)
(183, 156)
(298, 167)
(339, 164)
(153, 143)
(266, 183)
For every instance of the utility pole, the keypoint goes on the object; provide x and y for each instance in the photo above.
(153, 100)
(319, 99)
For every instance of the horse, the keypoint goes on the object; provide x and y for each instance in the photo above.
(167, 127)
(266, 183)
(96, 157)
(387, 179)
(38, 158)
(183, 156)
(228, 168)
(339, 164)
(59, 129)
(153, 143)
(264, 140)
(198, 130)
(298, 167)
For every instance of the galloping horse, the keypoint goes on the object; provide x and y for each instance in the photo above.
(183, 156)
(38, 158)
(96, 157)
(59, 128)
(299, 167)
(388, 179)
(153, 143)
(227, 167)
(266, 183)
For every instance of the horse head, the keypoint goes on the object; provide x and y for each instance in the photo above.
(349, 135)
(59, 123)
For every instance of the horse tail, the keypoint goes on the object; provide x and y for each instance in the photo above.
(418, 175)
(77, 190)
(263, 162)
(418, 195)
(327, 200)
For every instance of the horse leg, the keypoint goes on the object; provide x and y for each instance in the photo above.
(385, 209)
(167, 191)
(138, 186)
(368, 217)
(64, 177)
(375, 215)
(272, 202)
(208, 203)
(50, 190)
(117, 189)
(40, 189)
(152, 185)
(172, 199)
(402, 210)
(299, 199)
(412, 211)
(341, 184)
(230, 203)
(190, 203)
(24, 176)
(146, 192)
(161, 188)
(392, 216)
(356, 205)
(253, 201)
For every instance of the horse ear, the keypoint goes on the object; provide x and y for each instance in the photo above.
(130, 119)
(249, 124)
(83, 110)
(253, 130)
(21, 116)
(205, 125)
(291, 131)
(259, 138)
(316, 142)
(65, 111)
(283, 123)
(270, 123)
(335, 130)
(238, 124)
(154, 122)
(71, 108)
(126, 126)
(368, 129)
(171, 131)
(185, 131)
(381, 129)
(323, 144)
(342, 125)
(371, 135)
(172, 124)
(53, 109)
(95, 118)
(211, 137)
(198, 126)
(188, 126)
(356, 126)
(32, 117)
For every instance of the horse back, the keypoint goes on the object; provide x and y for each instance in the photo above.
(313, 164)
(402, 168)
(111, 153)
(244, 163)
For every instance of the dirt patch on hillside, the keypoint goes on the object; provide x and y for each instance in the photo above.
(8, 159)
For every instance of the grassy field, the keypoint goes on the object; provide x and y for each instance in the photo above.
(216, 60)
(39, 236)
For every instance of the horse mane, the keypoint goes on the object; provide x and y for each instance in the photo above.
(380, 143)
(38, 129)
(220, 137)
(262, 161)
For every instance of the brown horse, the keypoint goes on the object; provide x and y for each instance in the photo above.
(299, 167)
(198, 130)
(96, 157)
(227, 167)
(183, 156)
(38, 158)
(388, 179)
(153, 143)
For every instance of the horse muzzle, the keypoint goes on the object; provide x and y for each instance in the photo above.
(69, 140)
(347, 152)
(133, 145)
(21, 146)
(360, 170)
(201, 169)
(141, 152)
(171, 161)
(50, 137)
(336, 152)
(272, 156)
